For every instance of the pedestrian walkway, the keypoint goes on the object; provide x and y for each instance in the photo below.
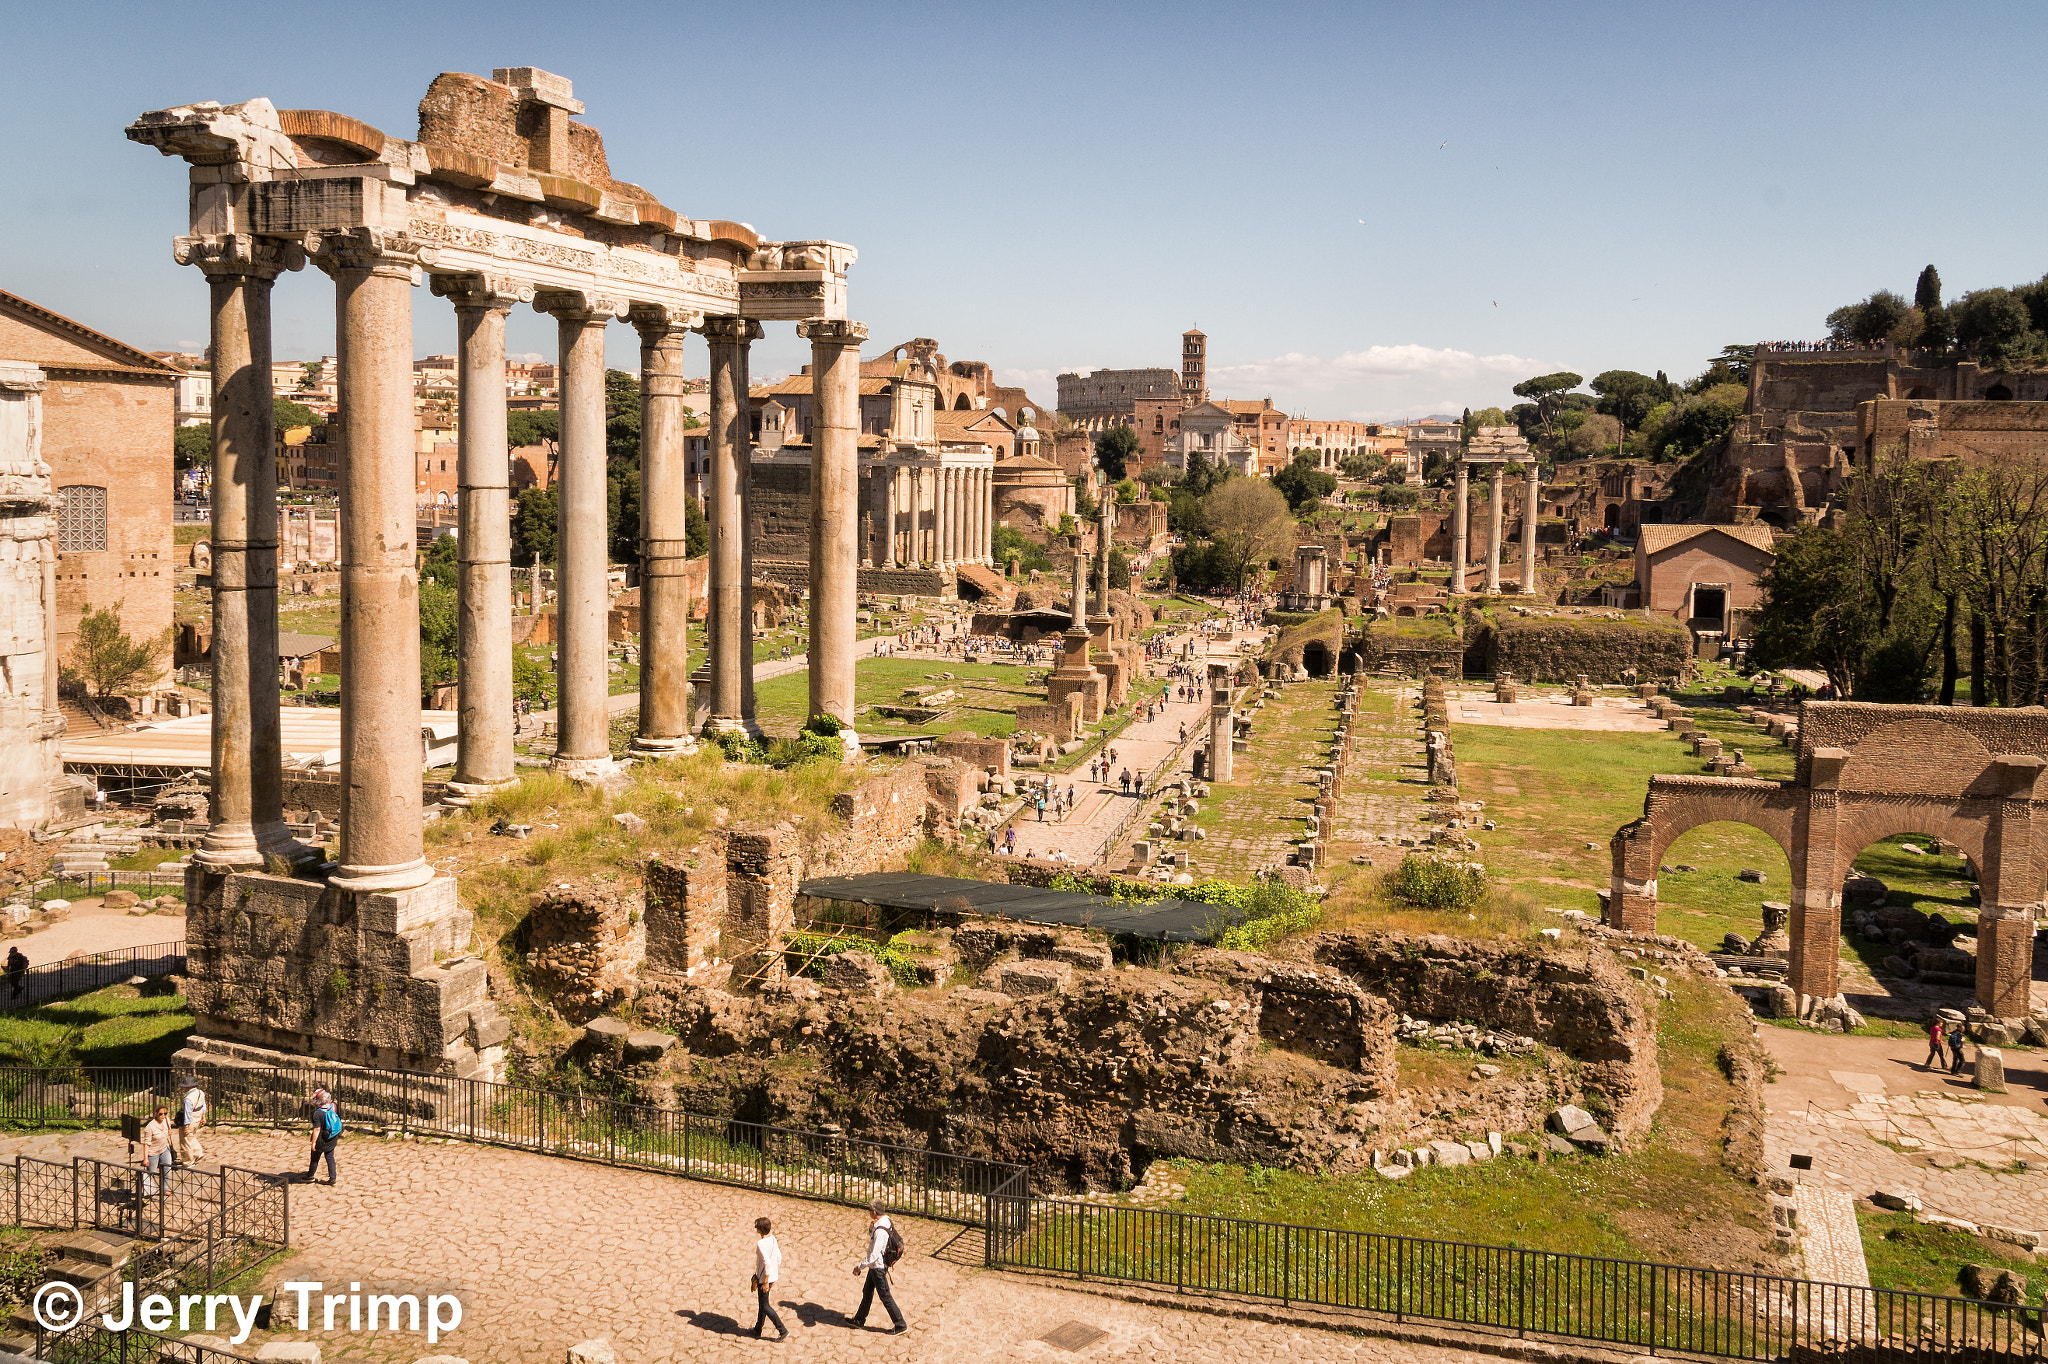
(544, 1253)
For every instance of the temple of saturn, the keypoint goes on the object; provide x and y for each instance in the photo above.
(1493, 449)
(502, 201)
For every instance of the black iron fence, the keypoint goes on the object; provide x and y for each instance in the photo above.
(913, 1180)
(1499, 1288)
(19, 989)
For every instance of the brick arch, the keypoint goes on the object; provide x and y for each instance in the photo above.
(1866, 820)
(1675, 805)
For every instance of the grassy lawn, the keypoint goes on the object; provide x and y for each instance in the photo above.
(1672, 1199)
(989, 696)
(1908, 1256)
(117, 1026)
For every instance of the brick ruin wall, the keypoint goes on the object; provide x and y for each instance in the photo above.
(1552, 650)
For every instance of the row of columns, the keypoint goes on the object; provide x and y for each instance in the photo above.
(374, 274)
(950, 510)
(1496, 507)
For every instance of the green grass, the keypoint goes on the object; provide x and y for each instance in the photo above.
(1916, 1258)
(111, 1027)
(987, 705)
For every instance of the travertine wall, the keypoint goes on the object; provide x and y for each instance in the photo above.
(29, 758)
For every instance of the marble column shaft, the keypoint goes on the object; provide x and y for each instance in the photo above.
(729, 633)
(835, 500)
(382, 753)
(1493, 520)
(483, 545)
(1460, 524)
(248, 747)
(664, 548)
(1080, 620)
(1529, 532)
(582, 684)
(1222, 728)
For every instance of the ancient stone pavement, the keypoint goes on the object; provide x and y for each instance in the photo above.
(545, 1252)
(1871, 1118)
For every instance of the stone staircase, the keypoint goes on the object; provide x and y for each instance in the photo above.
(80, 855)
(90, 1261)
(79, 722)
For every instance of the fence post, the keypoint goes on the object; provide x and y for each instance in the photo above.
(404, 1101)
(1180, 1252)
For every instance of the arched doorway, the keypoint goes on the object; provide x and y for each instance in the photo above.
(1611, 518)
(1701, 895)
(1998, 393)
(1315, 656)
(1913, 892)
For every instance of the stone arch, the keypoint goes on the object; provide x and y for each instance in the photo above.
(1611, 518)
(1871, 819)
(1998, 393)
(1315, 656)
(961, 404)
(1676, 805)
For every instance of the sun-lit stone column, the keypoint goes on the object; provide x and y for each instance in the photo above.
(1529, 489)
(949, 514)
(248, 748)
(729, 632)
(1105, 536)
(1222, 728)
(1493, 520)
(664, 547)
(988, 515)
(381, 749)
(835, 494)
(1459, 527)
(483, 544)
(582, 725)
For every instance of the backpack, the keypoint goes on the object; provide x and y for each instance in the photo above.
(892, 1250)
(330, 1124)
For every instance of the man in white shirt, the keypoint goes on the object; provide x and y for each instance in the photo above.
(191, 1117)
(767, 1269)
(876, 1267)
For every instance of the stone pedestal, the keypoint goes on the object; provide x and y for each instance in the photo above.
(2005, 958)
(1076, 676)
(313, 971)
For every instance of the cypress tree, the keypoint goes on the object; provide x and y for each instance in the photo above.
(1927, 293)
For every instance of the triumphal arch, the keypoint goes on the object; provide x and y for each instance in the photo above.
(1970, 777)
(503, 200)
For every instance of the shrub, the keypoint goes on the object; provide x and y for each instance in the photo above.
(900, 961)
(1436, 882)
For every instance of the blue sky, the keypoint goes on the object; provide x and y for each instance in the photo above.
(1373, 210)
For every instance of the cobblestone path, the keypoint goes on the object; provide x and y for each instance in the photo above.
(545, 1253)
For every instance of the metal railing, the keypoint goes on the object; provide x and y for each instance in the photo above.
(1724, 1313)
(913, 1180)
(19, 989)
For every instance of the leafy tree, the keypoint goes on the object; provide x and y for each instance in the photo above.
(1203, 474)
(437, 637)
(1398, 495)
(1993, 324)
(1869, 322)
(440, 563)
(1544, 391)
(1303, 481)
(1159, 475)
(696, 529)
(108, 660)
(1126, 492)
(1009, 543)
(532, 680)
(533, 427)
(1698, 422)
(1363, 464)
(1084, 501)
(1488, 416)
(1115, 449)
(288, 414)
(1593, 434)
(1251, 520)
(1629, 397)
(1184, 515)
(533, 526)
(192, 447)
(1814, 611)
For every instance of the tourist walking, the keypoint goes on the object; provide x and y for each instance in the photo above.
(191, 1117)
(767, 1269)
(1935, 1046)
(17, 970)
(1010, 840)
(326, 1135)
(1955, 1049)
(1127, 781)
(156, 1149)
(884, 1249)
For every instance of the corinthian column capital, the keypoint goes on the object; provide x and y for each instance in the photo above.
(239, 253)
(491, 293)
(658, 321)
(373, 250)
(578, 305)
(732, 330)
(832, 331)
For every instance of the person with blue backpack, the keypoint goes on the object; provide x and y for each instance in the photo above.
(326, 1134)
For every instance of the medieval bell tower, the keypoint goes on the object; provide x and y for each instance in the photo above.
(1194, 369)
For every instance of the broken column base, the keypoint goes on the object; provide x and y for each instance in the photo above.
(657, 749)
(467, 792)
(304, 969)
(589, 771)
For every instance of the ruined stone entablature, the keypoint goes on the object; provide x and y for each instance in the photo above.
(1865, 772)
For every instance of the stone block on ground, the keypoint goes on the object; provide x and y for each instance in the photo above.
(606, 1029)
(1990, 1076)
(1021, 978)
(855, 972)
(1089, 956)
(120, 899)
(1568, 1119)
(1449, 1153)
(1898, 1200)
(1991, 1283)
(648, 1045)
(597, 1351)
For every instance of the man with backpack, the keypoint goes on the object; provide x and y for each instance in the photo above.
(885, 1248)
(190, 1118)
(326, 1134)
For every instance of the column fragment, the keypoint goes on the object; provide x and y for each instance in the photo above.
(1459, 527)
